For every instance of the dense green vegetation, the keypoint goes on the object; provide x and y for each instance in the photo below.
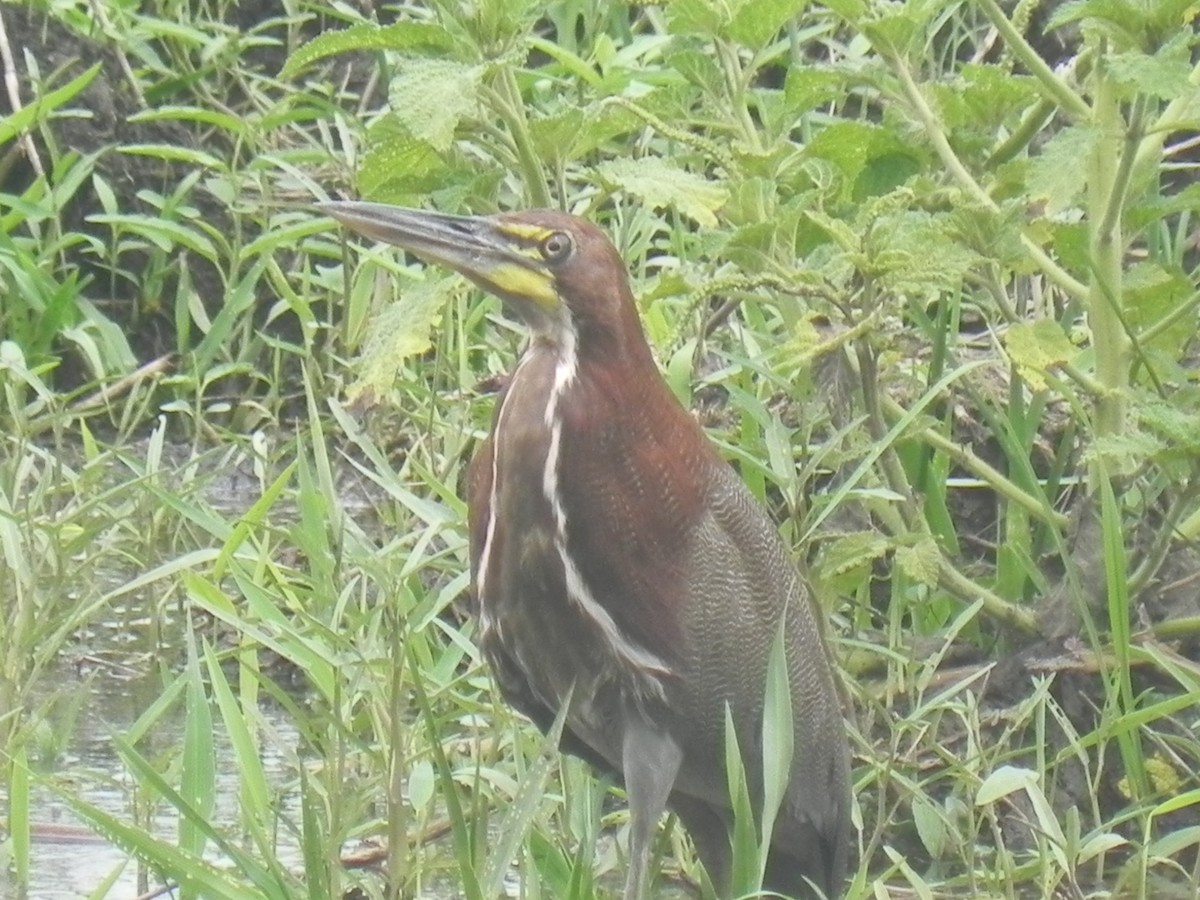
(928, 271)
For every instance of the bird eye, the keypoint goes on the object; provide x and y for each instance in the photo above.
(556, 247)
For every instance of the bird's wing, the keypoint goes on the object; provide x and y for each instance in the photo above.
(743, 588)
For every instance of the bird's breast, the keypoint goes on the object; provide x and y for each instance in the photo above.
(530, 581)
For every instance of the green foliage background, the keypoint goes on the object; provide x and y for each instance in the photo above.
(927, 270)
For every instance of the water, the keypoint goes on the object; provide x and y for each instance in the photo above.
(68, 859)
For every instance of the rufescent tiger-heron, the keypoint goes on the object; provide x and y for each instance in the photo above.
(617, 558)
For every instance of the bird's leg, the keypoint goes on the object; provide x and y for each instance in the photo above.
(650, 760)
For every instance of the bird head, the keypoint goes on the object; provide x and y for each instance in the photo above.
(553, 271)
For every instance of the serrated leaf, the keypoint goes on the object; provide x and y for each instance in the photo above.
(1037, 348)
(855, 147)
(851, 551)
(400, 330)
(921, 562)
(1176, 422)
(556, 136)
(397, 164)
(755, 22)
(1165, 74)
(431, 96)
(697, 17)
(1154, 294)
(1056, 174)
(841, 233)
(1125, 453)
(808, 87)
(369, 36)
(662, 185)
(848, 9)
(915, 253)
(1141, 23)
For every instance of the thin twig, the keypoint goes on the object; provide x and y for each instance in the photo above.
(14, 100)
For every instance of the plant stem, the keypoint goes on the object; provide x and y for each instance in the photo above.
(986, 473)
(1069, 101)
(508, 103)
(1105, 193)
(937, 137)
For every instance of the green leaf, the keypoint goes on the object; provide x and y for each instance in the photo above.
(431, 96)
(400, 330)
(745, 868)
(523, 806)
(399, 167)
(198, 778)
(162, 233)
(660, 184)
(931, 827)
(1037, 348)
(1176, 422)
(555, 137)
(422, 780)
(848, 9)
(755, 22)
(1154, 293)
(778, 737)
(915, 253)
(808, 87)
(702, 17)
(1056, 174)
(369, 36)
(853, 147)
(920, 562)
(15, 123)
(852, 551)
(1002, 782)
(1164, 75)
(1144, 24)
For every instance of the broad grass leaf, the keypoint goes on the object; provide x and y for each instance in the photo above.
(660, 184)
(744, 865)
(401, 329)
(422, 780)
(13, 124)
(778, 736)
(1038, 348)
(198, 776)
(931, 827)
(1002, 782)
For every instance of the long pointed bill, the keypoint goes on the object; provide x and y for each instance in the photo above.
(498, 258)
